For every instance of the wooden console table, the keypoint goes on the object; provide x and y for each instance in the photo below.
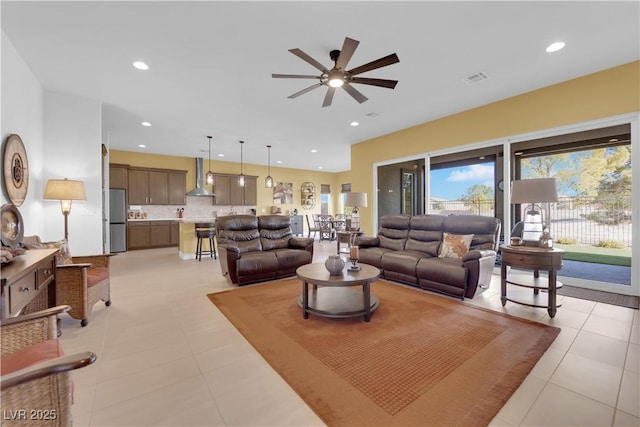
(28, 283)
(536, 259)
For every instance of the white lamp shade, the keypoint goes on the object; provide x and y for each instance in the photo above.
(356, 200)
(64, 189)
(537, 190)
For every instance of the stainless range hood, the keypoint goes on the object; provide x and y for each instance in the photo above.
(200, 190)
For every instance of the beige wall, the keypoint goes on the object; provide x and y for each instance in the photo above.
(265, 195)
(604, 94)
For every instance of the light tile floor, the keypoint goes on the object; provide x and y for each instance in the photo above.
(167, 356)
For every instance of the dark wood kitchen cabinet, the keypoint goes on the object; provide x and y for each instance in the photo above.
(152, 234)
(229, 193)
(156, 186)
(118, 175)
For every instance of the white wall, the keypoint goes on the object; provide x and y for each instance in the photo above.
(62, 138)
(22, 114)
(72, 149)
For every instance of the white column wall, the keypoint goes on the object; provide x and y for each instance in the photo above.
(72, 149)
(21, 106)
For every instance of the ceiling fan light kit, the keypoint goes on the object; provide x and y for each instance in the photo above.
(338, 76)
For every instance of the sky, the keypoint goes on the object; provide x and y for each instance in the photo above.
(451, 183)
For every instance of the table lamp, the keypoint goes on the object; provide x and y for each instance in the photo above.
(355, 201)
(531, 192)
(65, 190)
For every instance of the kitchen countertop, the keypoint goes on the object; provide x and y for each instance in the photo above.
(183, 220)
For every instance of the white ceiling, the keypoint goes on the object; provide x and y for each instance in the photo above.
(211, 64)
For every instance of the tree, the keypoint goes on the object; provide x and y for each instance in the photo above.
(477, 196)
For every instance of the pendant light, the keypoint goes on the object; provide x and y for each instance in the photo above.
(209, 176)
(268, 181)
(241, 178)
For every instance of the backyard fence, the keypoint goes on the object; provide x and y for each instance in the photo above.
(583, 220)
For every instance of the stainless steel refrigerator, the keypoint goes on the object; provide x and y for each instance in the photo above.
(118, 220)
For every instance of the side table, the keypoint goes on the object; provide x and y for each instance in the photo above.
(536, 259)
(345, 237)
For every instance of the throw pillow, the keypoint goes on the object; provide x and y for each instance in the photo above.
(63, 257)
(455, 245)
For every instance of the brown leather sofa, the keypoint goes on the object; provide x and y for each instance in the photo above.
(254, 249)
(407, 250)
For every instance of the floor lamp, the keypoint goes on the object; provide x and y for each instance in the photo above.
(355, 201)
(65, 190)
(531, 192)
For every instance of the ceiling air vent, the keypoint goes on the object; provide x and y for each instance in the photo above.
(474, 78)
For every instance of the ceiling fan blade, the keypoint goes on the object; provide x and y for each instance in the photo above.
(329, 96)
(300, 54)
(356, 94)
(305, 90)
(391, 84)
(378, 63)
(293, 76)
(346, 53)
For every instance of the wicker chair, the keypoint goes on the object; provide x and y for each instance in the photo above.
(39, 391)
(82, 284)
(81, 281)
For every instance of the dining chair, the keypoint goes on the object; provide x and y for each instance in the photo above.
(315, 229)
(327, 232)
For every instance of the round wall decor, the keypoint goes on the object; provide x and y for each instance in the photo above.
(12, 226)
(15, 169)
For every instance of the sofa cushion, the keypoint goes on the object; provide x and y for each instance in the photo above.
(290, 259)
(401, 265)
(426, 243)
(485, 230)
(455, 245)
(372, 256)
(257, 263)
(393, 244)
(96, 275)
(448, 271)
(39, 352)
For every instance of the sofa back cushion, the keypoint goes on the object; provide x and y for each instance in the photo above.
(393, 232)
(275, 231)
(425, 234)
(240, 231)
(485, 230)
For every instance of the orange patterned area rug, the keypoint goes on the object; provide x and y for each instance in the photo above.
(423, 360)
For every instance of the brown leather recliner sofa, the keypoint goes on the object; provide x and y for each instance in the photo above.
(254, 249)
(409, 249)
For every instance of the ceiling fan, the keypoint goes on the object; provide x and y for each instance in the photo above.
(338, 76)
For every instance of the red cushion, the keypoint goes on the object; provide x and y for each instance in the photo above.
(96, 275)
(28, 356)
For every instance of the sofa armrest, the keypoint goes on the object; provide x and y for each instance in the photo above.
(305, 243)
(43, 369)
(96, 260)
(365, 242)
(479, 264)
(228, 255)
(477, 254)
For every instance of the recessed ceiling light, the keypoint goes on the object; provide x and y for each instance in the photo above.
(147, 124)
(220, 155)
(278, 161)
(142, 146)
(354, 124)
(554, 47)
(319, 167)
(141, 65)
(314, 151)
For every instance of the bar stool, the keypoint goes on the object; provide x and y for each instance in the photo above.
(205, 230)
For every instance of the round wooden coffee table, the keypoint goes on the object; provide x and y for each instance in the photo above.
(336, 297)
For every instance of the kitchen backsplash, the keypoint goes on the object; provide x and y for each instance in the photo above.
(196, 207)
